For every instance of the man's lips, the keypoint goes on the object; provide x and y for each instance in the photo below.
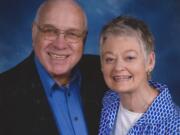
(58, 56)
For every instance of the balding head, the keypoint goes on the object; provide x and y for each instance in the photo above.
(60, 6)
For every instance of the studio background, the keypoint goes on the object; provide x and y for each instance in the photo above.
(162, 16)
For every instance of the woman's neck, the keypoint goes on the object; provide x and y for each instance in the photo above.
(139, 100)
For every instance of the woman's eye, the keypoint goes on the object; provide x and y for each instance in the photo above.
(109, 60)
(130, 58)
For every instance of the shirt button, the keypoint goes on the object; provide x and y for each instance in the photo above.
(42, 118)
(76, 118)
(69, 94)
(38, 101)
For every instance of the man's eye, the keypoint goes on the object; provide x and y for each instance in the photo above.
(73, 34)
(48, 30)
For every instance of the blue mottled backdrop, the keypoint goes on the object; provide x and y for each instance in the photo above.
(162, 16)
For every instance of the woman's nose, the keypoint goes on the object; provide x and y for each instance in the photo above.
(119, 65)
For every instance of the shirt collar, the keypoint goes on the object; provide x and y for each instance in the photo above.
(45, 77)
(162, 106)
(50, 84)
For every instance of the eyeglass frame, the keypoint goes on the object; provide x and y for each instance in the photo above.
(57, 32)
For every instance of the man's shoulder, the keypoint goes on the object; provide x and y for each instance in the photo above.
(90, 59)
(20, 70)
(92, 77)
(20, 80)
(90, 62)
(90, 66)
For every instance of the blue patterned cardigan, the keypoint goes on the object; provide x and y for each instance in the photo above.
(161, 118)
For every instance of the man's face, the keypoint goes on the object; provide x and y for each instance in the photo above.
(53, 39)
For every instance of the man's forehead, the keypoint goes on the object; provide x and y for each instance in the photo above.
(58, 6)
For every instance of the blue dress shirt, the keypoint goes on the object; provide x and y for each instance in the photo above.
(65, 102)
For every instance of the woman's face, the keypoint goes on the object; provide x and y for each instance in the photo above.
(125, 63)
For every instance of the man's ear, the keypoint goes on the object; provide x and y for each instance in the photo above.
(85, 38)
(34, 31)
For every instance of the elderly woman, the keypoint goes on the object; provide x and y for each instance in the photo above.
(134, 105)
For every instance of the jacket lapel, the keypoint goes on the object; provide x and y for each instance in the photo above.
(92, 91)
(34, 104)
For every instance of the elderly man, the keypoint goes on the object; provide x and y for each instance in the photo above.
(56, 90)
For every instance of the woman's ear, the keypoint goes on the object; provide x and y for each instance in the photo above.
(151, 61)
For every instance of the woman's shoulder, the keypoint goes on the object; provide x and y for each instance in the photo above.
(176, 116)
(173, 123)
(110, 97)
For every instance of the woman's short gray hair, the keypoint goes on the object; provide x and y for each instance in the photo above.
(129, 26)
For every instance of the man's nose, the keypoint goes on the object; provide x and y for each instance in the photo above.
(60, 41)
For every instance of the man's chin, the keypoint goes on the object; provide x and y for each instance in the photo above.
(60, 73)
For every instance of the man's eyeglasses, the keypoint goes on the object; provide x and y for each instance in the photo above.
(51, 33)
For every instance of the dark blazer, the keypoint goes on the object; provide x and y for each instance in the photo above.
(24, 107)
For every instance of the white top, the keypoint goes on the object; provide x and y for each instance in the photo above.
(125, 120)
